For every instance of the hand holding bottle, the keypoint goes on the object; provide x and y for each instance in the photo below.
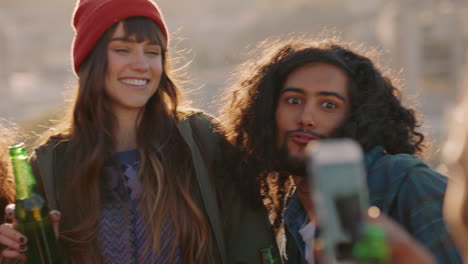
(31, 216)
(13, 240)
(404, 248)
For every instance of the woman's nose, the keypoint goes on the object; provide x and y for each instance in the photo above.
(139, 62)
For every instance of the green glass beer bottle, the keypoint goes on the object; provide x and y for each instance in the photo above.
(31, 211)
(267, 256)
(372, 246)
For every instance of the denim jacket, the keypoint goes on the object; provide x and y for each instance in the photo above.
(403, 187)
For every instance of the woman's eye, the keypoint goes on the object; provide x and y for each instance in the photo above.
(329, 105)
(121, 50)
(294, 100)
(153, 53)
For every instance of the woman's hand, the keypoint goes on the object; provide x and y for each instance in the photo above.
(14, 241)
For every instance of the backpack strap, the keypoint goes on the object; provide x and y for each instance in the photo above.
(42, 163)
(206, 187)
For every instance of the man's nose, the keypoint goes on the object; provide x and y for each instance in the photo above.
(307, 118)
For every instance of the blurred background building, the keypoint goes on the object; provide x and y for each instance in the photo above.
(425, 40)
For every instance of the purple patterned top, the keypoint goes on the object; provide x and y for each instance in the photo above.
(121, 232)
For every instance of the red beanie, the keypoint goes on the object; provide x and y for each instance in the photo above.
(92, 18)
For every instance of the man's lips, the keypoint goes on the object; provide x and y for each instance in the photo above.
(302, 138)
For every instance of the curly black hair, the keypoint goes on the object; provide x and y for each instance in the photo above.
(376, 118)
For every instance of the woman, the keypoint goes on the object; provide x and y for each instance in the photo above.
(7, 193)
(455, 153)
(129, 170)
(125, 170)
(115, 159)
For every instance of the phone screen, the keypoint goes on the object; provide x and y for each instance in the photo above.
(339, 193)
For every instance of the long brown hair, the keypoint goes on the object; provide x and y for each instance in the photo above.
(165, 169)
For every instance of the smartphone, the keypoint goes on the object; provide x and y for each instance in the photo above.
(337, 180)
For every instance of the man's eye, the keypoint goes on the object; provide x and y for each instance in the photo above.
(329, 105)
(294, 100)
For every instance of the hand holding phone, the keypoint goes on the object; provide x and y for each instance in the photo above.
(337, 179)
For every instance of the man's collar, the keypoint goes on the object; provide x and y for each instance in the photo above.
(372, 155)
(294, 213)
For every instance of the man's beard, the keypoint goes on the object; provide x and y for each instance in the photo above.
(290, 165)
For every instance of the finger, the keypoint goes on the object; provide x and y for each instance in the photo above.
(10, 212)
(411, 253)
(394, 232)
(55, 217)
(13, 254)
(319, 250)
(11, 237)
(404, 249)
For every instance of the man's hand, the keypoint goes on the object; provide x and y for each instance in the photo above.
(404, 248)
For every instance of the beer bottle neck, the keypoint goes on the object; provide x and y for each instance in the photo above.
(24, 178)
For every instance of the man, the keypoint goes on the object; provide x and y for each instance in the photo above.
(298, 91)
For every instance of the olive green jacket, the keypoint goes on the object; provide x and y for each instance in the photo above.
(239, 232)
